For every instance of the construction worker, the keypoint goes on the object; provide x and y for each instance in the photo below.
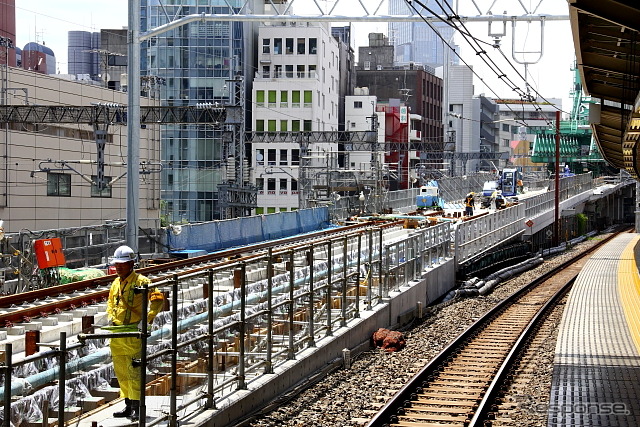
(468, 204)
(124, 309)
(500, 202)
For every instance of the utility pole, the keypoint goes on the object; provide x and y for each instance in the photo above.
(556, 218)
(133, 127)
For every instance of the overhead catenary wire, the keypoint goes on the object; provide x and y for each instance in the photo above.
(496, 46)
(461, 59)
(482, 54)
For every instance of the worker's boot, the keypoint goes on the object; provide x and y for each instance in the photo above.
(135, 410)
(126, 412)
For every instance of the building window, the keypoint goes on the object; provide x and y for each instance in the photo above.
(284, 161)
(265, 45)
(277, 46)
(259, 211)
(105, 192)
(295, 158)
(289, 46)
(260, 156)
(266, 71)
(259, 125)
(284, 99)
(271, 210)
(59, 184)
(283, 185)
(505, 142)
(272, 98)
(295, 125)
(295, 99)
(357, 104)
(288, 69)
(271, 159)
(308, 98)
(300, 71)
(312, 71)
(271, 186)
(272, 126)
(260, 185)
(505, 127)
(307, 125)
(283, 125)
(294, 185)
(301, 43)
(260, 98)
(313, 46)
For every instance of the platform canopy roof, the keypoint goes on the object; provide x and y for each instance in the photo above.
(606, 36)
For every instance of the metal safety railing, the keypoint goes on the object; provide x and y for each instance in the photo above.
(406, 260)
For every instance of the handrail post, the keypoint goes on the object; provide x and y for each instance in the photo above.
(381, 293)
(143, 356)
(291, 354)
(269, 366)
(312, 341)
(243, 325)
(370, 272)
(173, 391)
(330, 286)
(62, 373)
(357, 312)
(210, 400)
(345, 278)
(8, 349)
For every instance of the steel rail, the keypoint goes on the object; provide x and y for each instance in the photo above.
(403, 397)
(501, 376)
(99, 287)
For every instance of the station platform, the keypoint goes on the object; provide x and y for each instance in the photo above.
(596, 374)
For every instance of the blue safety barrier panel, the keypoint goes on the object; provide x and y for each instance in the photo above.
(217, 235)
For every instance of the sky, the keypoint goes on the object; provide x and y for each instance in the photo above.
(48, 21)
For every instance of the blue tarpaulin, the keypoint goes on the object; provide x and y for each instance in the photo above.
(218, 235)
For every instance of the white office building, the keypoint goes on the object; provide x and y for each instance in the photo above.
(295, 91)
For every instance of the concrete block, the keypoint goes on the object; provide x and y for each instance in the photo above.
(64, 317)
(108, 393)
(91, 403)
(15, 330)
(32, 326)
(48, 321)
(51, 422)
(69, 412)
(78, 313)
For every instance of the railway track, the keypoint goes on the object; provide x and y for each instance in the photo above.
(39, 303)
(460, 385)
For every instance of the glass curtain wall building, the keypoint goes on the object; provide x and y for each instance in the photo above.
(196, 61)
(416, 42)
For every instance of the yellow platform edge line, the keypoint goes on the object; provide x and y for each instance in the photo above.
(629, 290)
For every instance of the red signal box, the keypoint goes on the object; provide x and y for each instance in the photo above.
(49, 253)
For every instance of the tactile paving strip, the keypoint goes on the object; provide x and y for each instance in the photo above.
(596, 375)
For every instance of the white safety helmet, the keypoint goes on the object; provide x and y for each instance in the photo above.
(123, 254)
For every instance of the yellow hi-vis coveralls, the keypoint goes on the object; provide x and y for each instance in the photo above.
(124, 309)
